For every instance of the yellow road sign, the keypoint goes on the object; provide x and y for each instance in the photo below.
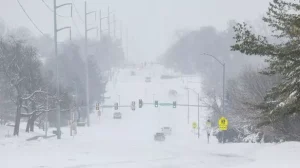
(223, 123)
(194, 125)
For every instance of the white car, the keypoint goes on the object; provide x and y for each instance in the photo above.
(117, 115)
(167, 130)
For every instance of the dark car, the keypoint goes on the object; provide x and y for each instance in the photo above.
(148, 79)
(159, 136)
(117, 115)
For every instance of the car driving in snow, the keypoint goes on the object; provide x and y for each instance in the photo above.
(117, 115)
(148, 79)
(132, 73)
(166, 130)
(159, 136)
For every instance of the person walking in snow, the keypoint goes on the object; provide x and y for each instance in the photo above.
(208, 129)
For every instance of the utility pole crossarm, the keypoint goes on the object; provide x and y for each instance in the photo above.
(67, 27)
(91, 13)
(92, 28)
(64, 5)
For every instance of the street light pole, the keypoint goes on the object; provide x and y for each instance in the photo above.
(188, 114)
(223, 64)
(198, 117)
(223, 89)
(198, 114)
(223, 101)
(153, 98)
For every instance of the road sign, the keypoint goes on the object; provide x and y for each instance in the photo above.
(223, 123)
(194, 125)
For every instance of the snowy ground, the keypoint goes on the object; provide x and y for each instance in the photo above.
(129, 142)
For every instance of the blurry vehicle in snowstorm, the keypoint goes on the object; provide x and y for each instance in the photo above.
(166, 130)
(117, 115)
(148, 79)
(132, 73)
(159, 136)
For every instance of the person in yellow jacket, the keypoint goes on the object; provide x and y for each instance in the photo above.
(208, 129)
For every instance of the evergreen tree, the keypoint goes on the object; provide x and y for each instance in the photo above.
(282, 103)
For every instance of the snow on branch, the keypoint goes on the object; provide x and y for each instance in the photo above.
(32, 94)
(36, 111)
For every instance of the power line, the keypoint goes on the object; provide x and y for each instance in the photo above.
(78, 30)
(77, 12)
(30, 18)
(52, 9)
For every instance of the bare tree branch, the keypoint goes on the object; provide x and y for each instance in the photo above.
(33, 94)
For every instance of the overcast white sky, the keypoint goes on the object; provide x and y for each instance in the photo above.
(151, 23)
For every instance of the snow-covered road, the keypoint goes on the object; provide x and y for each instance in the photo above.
(128, 142)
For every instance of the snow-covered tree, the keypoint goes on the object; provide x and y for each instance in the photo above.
(282, 103)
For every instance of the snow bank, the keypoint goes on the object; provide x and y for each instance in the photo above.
(282, 155)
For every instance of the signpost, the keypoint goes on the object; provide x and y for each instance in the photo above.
(194, 125)
(223, 126)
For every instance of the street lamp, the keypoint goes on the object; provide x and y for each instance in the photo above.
(198, 110)
(153, 98)
(188, 115)
(223, 64)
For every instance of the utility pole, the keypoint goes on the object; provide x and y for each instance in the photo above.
(121, 32)
(100, 25)
(87, 62)
(115, 26)
(100, 19)
(46, 118)
(127, 43)
(108, 21)
(55, 7)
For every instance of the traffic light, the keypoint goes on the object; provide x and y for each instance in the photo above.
(116, 106)
(174, 104)
(140, 103)
(97, 106)
(156, 103)
(133, 105)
